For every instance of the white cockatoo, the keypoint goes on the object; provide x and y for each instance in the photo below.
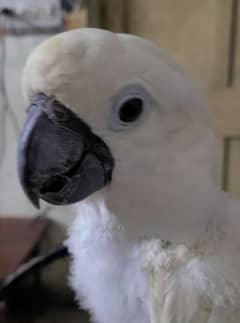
(116, 127)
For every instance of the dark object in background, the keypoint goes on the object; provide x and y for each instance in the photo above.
(35, 264)
(67, 5)
(21, 264)
(19, 251)
(20, 240)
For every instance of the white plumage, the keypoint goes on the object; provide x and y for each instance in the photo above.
(165, 186)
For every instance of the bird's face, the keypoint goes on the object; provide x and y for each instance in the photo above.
(112, 114)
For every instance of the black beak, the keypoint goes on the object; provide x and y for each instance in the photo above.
(60, 159)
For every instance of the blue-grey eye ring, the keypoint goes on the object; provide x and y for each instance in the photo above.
(129, 106)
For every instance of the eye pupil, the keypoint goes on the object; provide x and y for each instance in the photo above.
(131, 110)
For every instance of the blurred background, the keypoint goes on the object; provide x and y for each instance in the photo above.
(203, 36)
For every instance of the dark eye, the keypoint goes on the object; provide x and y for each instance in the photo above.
(131, 110)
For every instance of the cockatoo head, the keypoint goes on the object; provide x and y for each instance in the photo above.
(111, 117)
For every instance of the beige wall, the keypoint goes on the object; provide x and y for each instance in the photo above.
(189, 29)
(195, 32)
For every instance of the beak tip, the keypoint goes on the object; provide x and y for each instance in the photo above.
(34, 199)
(37, 206)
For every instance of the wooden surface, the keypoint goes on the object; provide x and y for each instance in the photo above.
(196, 33)
(19, 238)
(77, 19)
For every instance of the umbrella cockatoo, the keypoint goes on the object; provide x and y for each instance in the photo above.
(117, 129)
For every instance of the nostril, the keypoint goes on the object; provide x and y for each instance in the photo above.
(56, 110)
(60, 112)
